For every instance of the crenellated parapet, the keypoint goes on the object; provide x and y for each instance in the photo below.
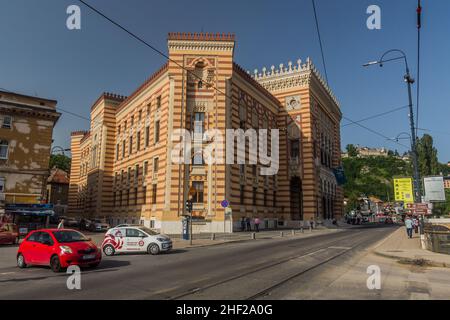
(290, 75)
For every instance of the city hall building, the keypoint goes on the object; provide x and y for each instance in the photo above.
(122, 168)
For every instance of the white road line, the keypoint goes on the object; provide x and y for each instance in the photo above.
(341, 248)
(5, 273)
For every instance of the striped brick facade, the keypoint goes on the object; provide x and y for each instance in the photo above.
(132, 179)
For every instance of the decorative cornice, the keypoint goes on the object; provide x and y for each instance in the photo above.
(201, 36)
(108, 96)
(148, 82)
(79, 133)
(239, 70)
(291, 76)
(187, 45)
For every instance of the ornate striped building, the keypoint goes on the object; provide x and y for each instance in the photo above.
(121, 168)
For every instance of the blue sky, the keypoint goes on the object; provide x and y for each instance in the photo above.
(40, 56)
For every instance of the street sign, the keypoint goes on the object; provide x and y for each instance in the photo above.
(434, 189)
(403, 190)
(224, 203)
(420, 208)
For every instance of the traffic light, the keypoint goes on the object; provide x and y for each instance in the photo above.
(189, 206)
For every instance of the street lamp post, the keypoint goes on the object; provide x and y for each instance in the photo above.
(59, 149)
(409, 80)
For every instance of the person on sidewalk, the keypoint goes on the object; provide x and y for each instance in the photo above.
(249, 225)
(409, 226)
(257, 222)
(416, 225)
(61, 224)
(242, 224)
(311, 223)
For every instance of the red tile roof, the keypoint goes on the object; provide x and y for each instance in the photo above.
(58, 176)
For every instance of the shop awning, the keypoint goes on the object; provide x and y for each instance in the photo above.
(40, 210)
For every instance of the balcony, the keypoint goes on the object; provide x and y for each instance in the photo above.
(198, 170)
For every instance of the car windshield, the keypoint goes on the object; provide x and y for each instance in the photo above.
(148, 231)
(69, 236)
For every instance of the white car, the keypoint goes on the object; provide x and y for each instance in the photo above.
(135, 239)
(98, 225)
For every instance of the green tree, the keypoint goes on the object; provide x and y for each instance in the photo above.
(352, 151)
(60, 161)
(443, 209)
(427, 156)
(373, 176)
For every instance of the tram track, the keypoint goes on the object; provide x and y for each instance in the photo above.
(322, 247)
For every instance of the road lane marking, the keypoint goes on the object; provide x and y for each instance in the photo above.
(340, 248)
(6, 273)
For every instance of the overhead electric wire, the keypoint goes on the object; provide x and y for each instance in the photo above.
(375, 116)
(375, 132)
(167, 57)
(435, 131)
(57, 108)
(320, 40)
(132, 34)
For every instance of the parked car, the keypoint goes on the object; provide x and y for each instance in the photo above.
(58, 248)
(9, 233)
(98, 225)
(71, 222)
(135, 239)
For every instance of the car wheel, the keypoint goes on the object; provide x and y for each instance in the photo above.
(109, 250)
(55, 265)
(21, 261)
(153, 248)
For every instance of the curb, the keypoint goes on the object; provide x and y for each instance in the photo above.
(405, 260)
(422, 262)
(246, 240)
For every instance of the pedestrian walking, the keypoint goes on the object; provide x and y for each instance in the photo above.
(61, 224)
(248, 223)
(416, 225)
(242, 224)
(409, 227)
(311, 223)
(257, 222)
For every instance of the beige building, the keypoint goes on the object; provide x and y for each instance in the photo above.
(447, 182)
(26, 128)
(122, 168)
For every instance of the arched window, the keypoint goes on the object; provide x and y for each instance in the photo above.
(255, 118)
(4, 149)
(197, 159)
(242, 114)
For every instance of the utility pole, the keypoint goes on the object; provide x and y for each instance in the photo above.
(409, 80)
(417, 186)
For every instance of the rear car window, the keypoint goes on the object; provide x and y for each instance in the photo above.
(66, 236)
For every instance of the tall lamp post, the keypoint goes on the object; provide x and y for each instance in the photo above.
(59, 149)
(409, 80)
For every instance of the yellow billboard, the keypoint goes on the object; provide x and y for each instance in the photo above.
(403, 189)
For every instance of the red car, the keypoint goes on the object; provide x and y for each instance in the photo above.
(58, 248)
(9, 233)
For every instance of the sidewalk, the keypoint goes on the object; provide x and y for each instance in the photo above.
(205, 239)
(398, 246)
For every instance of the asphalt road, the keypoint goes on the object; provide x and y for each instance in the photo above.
(255, 269)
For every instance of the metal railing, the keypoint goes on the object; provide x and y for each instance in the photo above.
(437, 240)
